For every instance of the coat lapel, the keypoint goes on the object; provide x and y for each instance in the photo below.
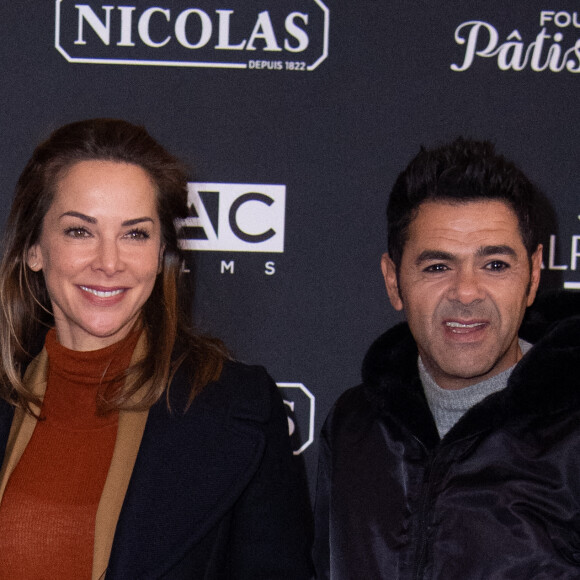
(191, 469)
(129, 432)
(23, 424)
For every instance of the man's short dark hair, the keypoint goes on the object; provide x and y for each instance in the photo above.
(462, 171)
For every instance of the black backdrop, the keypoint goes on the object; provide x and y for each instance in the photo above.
(296, 116)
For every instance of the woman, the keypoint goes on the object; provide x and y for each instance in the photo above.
(132, 447)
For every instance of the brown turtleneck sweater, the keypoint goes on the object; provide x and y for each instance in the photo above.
(47, 515)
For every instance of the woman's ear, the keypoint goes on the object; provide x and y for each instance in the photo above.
(34, 258)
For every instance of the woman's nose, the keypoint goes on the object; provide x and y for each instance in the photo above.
(108, 257)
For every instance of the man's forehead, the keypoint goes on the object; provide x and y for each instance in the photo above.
(479, 213)
(477, 223)
(467, 205)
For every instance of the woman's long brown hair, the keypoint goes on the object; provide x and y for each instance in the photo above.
(25, 308)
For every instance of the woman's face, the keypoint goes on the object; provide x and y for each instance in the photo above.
(100, 251)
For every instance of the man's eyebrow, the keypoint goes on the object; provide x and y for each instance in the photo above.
(502, 250)
(92, 220)
(428, 255)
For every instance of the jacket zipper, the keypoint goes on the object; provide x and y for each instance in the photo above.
(423, 532)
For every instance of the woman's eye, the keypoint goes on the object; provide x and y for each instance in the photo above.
(76, 232)
(137, 235)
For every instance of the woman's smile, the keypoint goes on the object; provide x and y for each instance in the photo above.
(102, 293)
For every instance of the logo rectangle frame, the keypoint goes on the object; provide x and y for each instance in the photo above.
(235, 217)
(313, 61)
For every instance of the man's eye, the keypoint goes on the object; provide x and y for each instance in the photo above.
(497, 266)
(77, 233)
(436, 268)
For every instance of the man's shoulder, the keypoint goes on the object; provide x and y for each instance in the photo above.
(390, 363)
(393, 354)
(551, 309)
(351, 402)
(351, 416)
(546, 379)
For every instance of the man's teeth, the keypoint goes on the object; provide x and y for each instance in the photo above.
(101, 293)
(460, 325)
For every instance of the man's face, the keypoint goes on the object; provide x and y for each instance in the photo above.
(464, 284)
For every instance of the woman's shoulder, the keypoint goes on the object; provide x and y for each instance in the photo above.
(244, 390)
(249, 387)
(236, 375)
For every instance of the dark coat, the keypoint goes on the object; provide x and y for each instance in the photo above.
(497, 498)
(214, 492)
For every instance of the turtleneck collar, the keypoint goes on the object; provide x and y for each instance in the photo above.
(76, 378)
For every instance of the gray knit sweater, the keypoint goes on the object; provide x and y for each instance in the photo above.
(448, 406)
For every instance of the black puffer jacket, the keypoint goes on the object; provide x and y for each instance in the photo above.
(497, 498)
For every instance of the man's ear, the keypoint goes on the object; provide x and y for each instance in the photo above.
(535, 274)
(34, 258)
(391, 282)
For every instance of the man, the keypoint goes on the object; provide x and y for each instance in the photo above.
(458, 457)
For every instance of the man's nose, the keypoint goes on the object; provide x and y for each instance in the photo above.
(466, 287)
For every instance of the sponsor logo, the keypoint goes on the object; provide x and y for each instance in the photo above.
(555, 262)
(555, 48)
(300, 408)
(291, 35)
(234, 217)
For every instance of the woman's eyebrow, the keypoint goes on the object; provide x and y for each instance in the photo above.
(79, 215)
(136, 221)
(92, 220)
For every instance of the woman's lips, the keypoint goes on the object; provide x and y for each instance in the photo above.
(102, 293)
